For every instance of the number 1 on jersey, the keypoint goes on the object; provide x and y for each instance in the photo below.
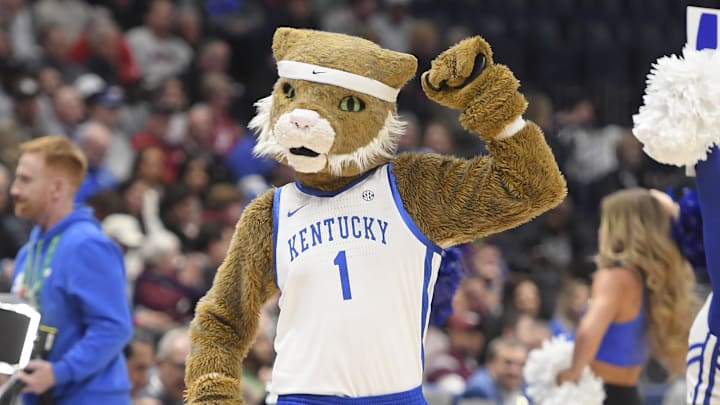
(341, 262)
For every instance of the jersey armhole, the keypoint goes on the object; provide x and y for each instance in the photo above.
(406, 216)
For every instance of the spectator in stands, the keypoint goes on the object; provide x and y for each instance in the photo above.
(394, 25)
(49, 80)
(213, 57)
(218, 94)
(25, 123)
(195, 173)
(70, 15)
(167, 382)
(571, 306)
(125, 230)
(410, 138)
(140, 358)
(526, 298)
(168, 288)
(531, 331)
(591, 149)
(94, 140)
(190, 26)
(296, 13)
(437, 138)
(159, 53)
(351, 18)
(6, 64)
(449, 369)
(17, 18)
(224, 204)
(154, 136)
(213, 242)
(103, 106)
(181, 213)
(501, 378)
(172, 92)
(68, 112)
(54, 42)
(103, 50)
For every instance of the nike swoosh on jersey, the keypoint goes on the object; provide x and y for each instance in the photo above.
(292, 212)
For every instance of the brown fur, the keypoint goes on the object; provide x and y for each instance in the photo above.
(451, 200)
(454, 200)
(227, 317)
(338, 51)
(324, 98)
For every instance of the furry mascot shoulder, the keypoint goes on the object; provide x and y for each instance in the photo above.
(332, 117)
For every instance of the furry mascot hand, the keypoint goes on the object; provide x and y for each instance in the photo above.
(464, 77)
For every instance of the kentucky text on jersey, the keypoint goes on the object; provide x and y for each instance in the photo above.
(330, 229)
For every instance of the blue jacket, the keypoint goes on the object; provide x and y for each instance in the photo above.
(708, 191)
(83, 296)
(481, 384)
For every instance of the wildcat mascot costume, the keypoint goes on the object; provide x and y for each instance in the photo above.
(354, 244)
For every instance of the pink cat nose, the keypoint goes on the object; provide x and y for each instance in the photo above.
(304, 118)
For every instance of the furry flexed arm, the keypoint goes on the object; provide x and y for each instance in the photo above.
(454, 200)
(226, 319)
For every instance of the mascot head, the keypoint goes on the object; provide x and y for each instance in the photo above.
(332, 112)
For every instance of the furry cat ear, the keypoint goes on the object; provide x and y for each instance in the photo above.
(284, 39)
(401, 68)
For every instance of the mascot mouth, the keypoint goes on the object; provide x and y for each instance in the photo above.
(303, 151)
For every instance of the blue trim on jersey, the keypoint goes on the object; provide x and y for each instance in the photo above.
(406, 217)
(323, 193)
(694, 360)
(700, 370)
(276, 219)
(425, 302)
(711, 377)
(695, 346)
(410, 397)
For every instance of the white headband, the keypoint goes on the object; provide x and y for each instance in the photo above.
(291, 69)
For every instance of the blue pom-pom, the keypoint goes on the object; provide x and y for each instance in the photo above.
(450, 273)
(687, 229)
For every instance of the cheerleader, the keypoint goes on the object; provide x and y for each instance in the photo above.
(641, 299)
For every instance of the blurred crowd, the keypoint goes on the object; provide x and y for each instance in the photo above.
(158, 94)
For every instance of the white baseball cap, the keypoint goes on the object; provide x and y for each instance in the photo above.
(124, 228)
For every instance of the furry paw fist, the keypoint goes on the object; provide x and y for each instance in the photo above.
(464, 77)
(214, 389)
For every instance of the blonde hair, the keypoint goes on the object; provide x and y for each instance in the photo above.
(635, 231)
(59, 153)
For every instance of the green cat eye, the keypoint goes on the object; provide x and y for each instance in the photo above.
(352, 104)
(288, 90)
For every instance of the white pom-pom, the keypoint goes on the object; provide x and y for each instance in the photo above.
(680, 119)
(542, 368)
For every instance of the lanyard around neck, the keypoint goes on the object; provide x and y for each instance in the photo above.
(35, 275)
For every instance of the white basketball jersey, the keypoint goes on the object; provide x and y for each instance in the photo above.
(356, 276)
